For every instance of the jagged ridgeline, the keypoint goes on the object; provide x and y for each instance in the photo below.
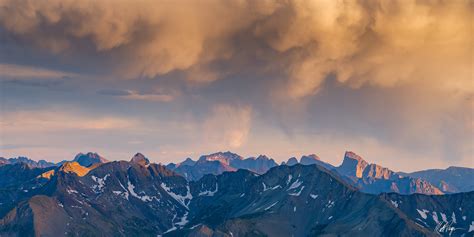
(139, 198)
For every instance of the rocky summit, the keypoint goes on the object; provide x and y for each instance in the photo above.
(139, 198)
(89, 159)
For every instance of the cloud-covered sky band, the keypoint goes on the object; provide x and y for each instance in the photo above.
(391, 80)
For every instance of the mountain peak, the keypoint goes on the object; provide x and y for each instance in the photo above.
(188, 161)
(223, 157)
(262, 157)
(74, 167)
(353, 165)
(353, 156)
(309, 159)
(89, 159)
(140, 159)
(292, 161)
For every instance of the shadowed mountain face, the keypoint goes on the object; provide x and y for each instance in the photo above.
(450, 180)
(31, 163)
(18, 182)
(89, 159)
(117, 198)
(369, 178)
(372, 178)
(220, 162)
(141, 199)
(311, 159)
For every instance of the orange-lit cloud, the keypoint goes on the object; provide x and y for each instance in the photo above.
(11, 71)
(382, 43)
(34, 122)
(395, 74)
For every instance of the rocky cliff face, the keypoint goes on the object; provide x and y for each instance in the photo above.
(352, 165)
(372, 178)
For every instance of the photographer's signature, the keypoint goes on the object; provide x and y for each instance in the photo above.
(446, 227)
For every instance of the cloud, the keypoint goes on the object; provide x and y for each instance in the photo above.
(136, 95)
(20, 75)
(381, 43)
(398, 72)
(227, 126)
(12, 71)
(149, 97)
(51, 121)
(35, 83)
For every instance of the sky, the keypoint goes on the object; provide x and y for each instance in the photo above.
(389, 80)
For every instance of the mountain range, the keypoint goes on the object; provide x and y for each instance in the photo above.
(450, 180)
(369, 178)
(25, 160)
(224, 194)
(220, 162)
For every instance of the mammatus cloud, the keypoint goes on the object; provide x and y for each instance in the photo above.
(381, 43)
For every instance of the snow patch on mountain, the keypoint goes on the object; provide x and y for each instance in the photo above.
(330, 204)
(100, 183)
(289, 179)
(268, 208)
(297, 193)
(124, 194)
(183, 221)
(443, 217)
(71, 191)
(423, 213)
(435, 217)
(131, 190)
(180, 198)
(209, 192)
(265, 188)
(295, 184)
